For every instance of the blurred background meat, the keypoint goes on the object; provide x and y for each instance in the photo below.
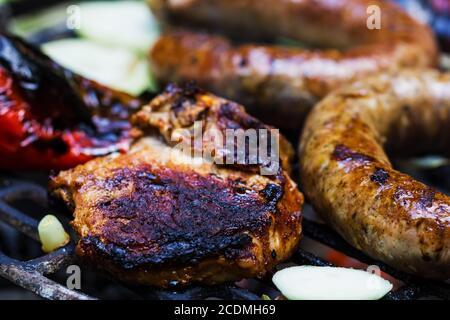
(434, 12)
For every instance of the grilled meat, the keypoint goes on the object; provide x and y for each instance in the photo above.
(349, 179)
(158, 216)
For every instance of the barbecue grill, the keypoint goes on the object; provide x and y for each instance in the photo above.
(23, 200)
(20, 198)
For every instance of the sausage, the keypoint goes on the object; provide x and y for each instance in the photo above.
(350, 181)
(281, 84)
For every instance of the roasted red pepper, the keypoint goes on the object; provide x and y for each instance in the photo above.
(51, 118)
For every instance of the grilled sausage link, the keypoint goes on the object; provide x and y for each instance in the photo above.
(281, 84)
(349, 179)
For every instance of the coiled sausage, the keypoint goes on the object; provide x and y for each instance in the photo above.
(349, 179)
(281, 84)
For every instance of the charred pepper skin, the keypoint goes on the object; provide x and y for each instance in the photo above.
(51, 118)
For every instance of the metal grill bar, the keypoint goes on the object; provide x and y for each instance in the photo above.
(30, 276)
(16, 190)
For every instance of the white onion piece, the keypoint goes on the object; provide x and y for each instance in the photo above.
(126, 24)
(115, 67)
(52, 233)
(330, 283)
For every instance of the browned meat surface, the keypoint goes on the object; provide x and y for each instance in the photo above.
(279, 84)
(349, 179)
(156, 216)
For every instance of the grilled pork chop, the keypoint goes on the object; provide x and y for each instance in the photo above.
(157, 216)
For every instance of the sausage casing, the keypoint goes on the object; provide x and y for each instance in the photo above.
(349, 179)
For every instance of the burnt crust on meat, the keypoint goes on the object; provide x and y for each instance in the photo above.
(200, 202)
(180, 107)
(155, 217)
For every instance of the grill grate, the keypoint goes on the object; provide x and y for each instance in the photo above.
(33, 275)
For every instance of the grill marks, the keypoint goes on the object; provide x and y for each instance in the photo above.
(174, 216)
(343, 153)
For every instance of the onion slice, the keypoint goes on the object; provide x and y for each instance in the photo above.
(115, 67)
(330, 283)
